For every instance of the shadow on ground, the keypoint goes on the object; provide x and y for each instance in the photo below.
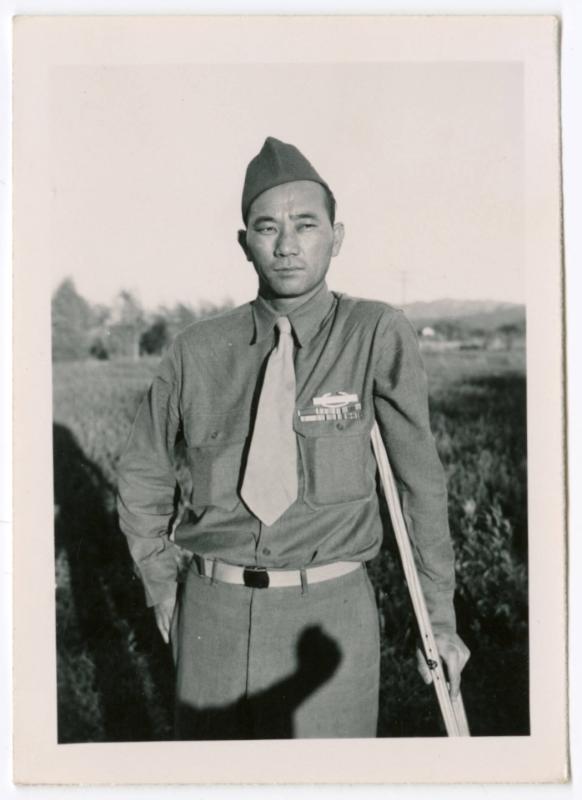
(107, 622)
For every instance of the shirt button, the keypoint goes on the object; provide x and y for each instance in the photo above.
(214, 434)
(340, 426)
(266, 551)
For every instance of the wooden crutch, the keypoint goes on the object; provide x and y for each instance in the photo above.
(452, 710)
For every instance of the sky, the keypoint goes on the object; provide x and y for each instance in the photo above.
(425, 160)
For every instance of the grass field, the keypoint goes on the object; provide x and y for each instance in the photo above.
(115, 674)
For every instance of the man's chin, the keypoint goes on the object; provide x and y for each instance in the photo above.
(289, 289)
(290, 293)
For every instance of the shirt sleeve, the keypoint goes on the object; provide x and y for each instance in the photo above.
(147, 484)
(401, 406)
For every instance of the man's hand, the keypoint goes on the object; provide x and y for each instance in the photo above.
(164, 612)
(454, 653)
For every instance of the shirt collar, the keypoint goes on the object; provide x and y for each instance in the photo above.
(305, 320)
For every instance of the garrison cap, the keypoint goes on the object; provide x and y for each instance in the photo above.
(277, 163)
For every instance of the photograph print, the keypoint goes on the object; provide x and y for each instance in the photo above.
(228, 569)
(296, 318)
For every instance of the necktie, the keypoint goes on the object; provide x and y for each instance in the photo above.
(270, 481)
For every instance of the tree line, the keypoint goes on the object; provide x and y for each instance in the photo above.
(124, 329)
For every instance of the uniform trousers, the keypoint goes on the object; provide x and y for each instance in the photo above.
(276, 663)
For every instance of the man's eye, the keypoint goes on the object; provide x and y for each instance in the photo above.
(305, 226)
(266, 229)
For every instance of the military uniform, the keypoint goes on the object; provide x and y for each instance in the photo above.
(256, 658)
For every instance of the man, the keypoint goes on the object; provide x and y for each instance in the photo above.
(275, 631)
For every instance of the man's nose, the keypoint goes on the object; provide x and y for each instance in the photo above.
(287, 243)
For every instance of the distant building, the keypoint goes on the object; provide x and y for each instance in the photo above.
(122, 340)
(497, 343)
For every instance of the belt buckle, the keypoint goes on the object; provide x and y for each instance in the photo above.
(256, 577)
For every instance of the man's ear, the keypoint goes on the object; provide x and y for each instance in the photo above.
(338, 237)
(242, 240)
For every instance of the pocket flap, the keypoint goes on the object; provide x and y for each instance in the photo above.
(218, 429)
(335, 427)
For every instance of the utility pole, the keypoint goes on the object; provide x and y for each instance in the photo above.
(403, 280)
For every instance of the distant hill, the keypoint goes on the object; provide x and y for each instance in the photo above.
(485, 315)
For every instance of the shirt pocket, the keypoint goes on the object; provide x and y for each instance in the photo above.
(215, 451)
(336, 461)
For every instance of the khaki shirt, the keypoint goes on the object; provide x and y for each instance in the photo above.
(207, 388)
